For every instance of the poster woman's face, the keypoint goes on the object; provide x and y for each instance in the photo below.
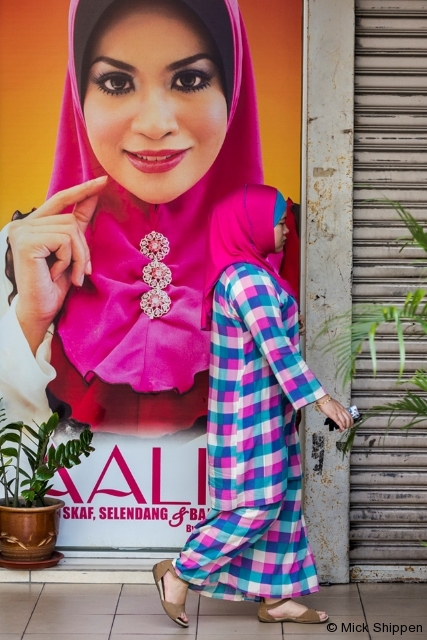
(154, 107)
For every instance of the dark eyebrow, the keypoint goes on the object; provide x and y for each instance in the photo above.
(185, 61)
(124, 66)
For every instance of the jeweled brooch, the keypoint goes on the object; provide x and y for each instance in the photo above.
(156, 274)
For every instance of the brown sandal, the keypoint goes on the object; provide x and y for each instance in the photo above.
(308, 617)
(172, 610)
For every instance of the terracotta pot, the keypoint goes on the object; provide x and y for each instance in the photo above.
(29, 534)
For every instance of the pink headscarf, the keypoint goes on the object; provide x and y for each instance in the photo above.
(102, 328)
(241, 230)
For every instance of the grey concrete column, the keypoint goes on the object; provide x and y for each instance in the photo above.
(327, 261)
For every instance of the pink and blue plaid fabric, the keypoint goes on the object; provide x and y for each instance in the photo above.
(257, 381)
(250, 553)
(253, 543)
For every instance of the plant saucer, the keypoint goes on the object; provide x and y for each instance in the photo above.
(32, 565)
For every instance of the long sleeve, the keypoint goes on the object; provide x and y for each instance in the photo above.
(23, 377)
(256, 302)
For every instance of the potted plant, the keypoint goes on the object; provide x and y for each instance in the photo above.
(28, 519)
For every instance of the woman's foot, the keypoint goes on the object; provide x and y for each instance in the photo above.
(289, 609)
(172, 591)
(175, 592)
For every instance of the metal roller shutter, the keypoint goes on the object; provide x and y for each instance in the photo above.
(388, 471)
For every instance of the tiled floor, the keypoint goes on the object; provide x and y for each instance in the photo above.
(132, 612)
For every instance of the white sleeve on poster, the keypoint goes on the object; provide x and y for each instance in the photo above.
(23, 377)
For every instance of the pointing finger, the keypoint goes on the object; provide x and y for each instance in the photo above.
(69, 197)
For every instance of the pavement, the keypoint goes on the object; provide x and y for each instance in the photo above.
(132, 612)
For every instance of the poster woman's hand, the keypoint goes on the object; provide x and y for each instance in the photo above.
(334, 410)
(50, 253)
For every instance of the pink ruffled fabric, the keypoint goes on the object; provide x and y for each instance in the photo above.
(102, 328)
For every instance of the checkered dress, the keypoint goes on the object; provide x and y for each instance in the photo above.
(253, 543)
(257, 381)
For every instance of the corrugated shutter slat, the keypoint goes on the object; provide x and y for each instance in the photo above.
(388, 515)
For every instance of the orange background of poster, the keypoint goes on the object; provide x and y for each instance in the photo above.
(33, 56)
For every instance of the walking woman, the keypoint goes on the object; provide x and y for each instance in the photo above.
(253, 544)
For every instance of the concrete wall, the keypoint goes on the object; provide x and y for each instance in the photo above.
(327, 263)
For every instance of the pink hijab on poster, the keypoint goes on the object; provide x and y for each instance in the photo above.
(241, 230)
(102, 328)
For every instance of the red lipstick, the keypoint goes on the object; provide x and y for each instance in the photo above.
(156, 161)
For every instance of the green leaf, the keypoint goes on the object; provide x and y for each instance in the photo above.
(29, 453)
(28, 495)
(10, 437)
(14, 426)
(371, 338)
(50, 426)
(59, 454)
(33, 433)
(346, 441)
(9, 452)
(75, 460)
(51, 456)
(43, 473)
(413, 301)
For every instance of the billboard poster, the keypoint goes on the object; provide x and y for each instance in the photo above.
(101, 288)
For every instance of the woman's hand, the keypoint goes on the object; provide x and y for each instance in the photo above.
(334, 410)
(50, 253)
(301, 324)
